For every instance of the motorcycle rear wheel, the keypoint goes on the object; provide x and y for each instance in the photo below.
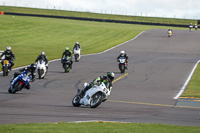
(96, 100)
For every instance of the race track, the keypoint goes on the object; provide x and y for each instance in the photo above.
(158, 68)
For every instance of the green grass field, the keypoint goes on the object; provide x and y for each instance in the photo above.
(193, 88)
(97, 15)
(29, 36)
(96, 127)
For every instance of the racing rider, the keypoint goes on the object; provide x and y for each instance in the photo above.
(77, 46)
(170, 29)
(43, 57)
(9, 55)
(123, 54)
(67, 53)
(106, 79)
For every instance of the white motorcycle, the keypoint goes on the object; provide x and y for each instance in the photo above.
(190, 27)
(92, 97)
(41, 69)
(77, 54)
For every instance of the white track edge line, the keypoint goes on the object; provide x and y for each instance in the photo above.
(94, 53)
(187, 81)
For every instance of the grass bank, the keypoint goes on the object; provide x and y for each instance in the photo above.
(96, 127)
(29, 36)
(97, 15)
(193, 87)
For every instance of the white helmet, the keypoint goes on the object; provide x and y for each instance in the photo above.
(122, 53)
(8, 48)
(43, 53)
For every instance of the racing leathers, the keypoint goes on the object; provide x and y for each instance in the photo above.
(126, 56)
(44, 58)
(10, 56)
(67, 53)
(76, 46)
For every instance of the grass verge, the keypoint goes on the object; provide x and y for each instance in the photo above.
(96, 127)
(193, 87)
(97, 15)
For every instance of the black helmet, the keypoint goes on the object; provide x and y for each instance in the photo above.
(32, 66)
(110, 76)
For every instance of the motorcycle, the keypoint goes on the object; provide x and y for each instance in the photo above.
(190, 27)
(169, 33)
(122, 64)
(196, 27)
(5, 67)
(20, 82)
(92, 97)
(77, 54)
(41, 69)
(67, 64)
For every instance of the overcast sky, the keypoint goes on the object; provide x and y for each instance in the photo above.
(189, 9)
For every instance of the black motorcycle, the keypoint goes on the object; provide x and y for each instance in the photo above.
(67, 64)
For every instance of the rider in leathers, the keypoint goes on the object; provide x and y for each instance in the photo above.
(9, 55)
(123, 54)
(77, 46)
(67, 53)
(43, 57)
(31, 68)
(106, 79)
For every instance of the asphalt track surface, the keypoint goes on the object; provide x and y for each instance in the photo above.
(158, 68)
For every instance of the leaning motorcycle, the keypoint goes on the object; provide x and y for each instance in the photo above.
(77, 54)
(41, 69)
(92, 97)
(20, 82)
(122, 64)
(5, 67)
(67, 64)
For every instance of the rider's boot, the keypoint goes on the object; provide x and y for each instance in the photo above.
(82, 91)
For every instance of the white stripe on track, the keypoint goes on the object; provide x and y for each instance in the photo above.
(94, 53)
(187, 81)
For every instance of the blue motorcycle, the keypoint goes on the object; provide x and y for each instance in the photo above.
(20, 82)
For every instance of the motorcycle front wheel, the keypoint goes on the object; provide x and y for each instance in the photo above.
(96, 100)
(76, 57)
(75, 101)
(122, 68)
(5, 71)
(17, 87)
